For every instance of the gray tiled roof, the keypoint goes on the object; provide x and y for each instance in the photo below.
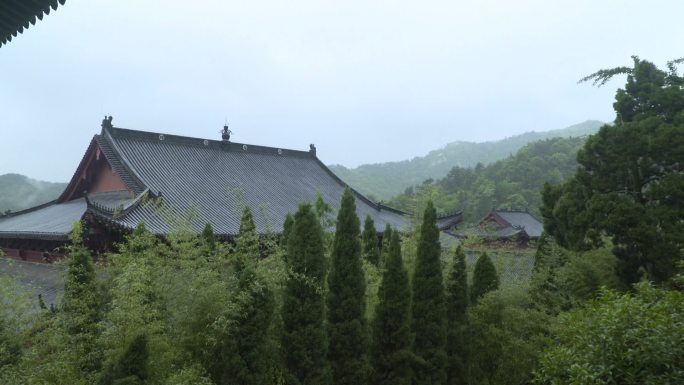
(196, 182)
(214, 181)
(51, 221)
(522, 220)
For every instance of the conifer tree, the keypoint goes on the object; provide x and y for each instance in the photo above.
(304, 341)
(485, 278)
(80, 308)
(246, 358)
(386, 239)
(131, 367)
(346, 301)
(428, 307)
(247, 242)
(370, 241)
(456, 305)
(209, 238)
(246, 355)
(287, 227)
(391, 348)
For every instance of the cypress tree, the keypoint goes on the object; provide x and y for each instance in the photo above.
(370, 241)
(131, 367)
(247, 242)
(428, 308)
(386, 239)
(346, 300)
(456, 305)
(246, 358)
(391, 350)
(287, 227)
(304, 341)
(485, 278)
(80, 308)
(209, 238)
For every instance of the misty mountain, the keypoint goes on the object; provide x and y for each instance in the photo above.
(18, 192)
(513, 183)
(385, 180)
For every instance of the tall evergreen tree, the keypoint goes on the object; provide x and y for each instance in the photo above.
(247, 242)
(630, 181)
(246, 359)
(456, 305)
(246, 355)
(304, 340)
(391, 348)
(485, 278)
(386, 239)
(80, 308)
(346, 300)
(370, 241)
(287, 227)
(428, 307)
(131, 367)
(209, 239)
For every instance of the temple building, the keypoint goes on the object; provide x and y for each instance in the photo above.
(168, 182)
(506, 228)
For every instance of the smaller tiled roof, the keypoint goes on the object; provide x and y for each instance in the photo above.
(449, 221)
(522, 220)
(51, 221)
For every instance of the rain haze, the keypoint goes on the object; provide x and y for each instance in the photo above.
(366, 81)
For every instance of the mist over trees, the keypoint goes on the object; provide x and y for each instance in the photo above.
(383, 181)
(18, 192)
(511, 183)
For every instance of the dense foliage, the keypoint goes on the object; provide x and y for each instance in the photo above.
(630, 182)
(619, 339)
(511, 183)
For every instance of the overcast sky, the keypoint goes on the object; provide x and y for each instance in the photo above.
(366, 81)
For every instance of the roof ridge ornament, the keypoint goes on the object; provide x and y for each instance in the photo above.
(312, 149)
(225, 133)
(107, 122)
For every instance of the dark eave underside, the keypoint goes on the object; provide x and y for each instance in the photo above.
(18, 15)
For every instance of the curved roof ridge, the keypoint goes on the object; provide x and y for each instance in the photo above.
(122, 159)
(28, 210)
(130, 178)
(111, 212)
(116, 132)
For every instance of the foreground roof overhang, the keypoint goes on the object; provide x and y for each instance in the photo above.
(18, 15)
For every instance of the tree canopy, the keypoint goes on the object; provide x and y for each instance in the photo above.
(630, 181)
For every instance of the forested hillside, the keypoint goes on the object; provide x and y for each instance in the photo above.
(18, 192)
(385, 180)
(511, 183)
